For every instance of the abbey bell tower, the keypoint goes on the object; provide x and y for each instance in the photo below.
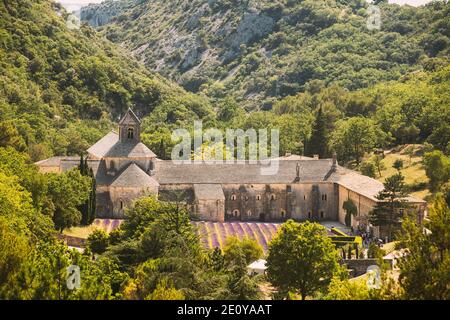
(130, 128)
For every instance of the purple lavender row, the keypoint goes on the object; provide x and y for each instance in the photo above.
(203, 233)
(222, 232)
(261, 236)
(239, 230)
(213, 236)
(249, 231)
(230, 230)
(267, 231)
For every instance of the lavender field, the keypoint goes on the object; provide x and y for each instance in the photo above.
(214, 234)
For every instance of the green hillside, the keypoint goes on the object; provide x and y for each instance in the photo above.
(258, 51)
(60, 88)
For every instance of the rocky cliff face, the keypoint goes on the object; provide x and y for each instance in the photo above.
(260, 50)
(100, 14)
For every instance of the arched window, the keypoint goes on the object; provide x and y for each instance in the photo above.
(249, 213)
(121, 205)
(273, 197)
(233, 197)
(321, 214)
(236, 213)
(309, 215)
(283, 213)
(258, 197)
(130, 133)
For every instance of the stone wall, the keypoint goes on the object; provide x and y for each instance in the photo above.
(279, 202)
(210, 210)
(359, 266)
(363, 204)
(122, 197)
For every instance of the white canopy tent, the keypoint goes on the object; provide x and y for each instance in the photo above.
(257, 267)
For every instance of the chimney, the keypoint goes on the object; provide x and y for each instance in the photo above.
(316, 157)
(335, 162)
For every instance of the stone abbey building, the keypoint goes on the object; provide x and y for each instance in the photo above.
(303, 189)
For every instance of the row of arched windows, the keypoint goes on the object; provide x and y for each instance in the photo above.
(258, 197)
(273, 197)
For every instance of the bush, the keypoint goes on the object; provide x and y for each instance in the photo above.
(375, 251)
(98, 241)
(368, 169)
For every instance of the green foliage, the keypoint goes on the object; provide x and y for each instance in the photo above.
(234, 248)
(61, 88)
(355, 136)
(98, 241)
(424, 272)
(351, 211)
(368, 168)
(437, 168)
(317, 145)
(387, 211)
(88, 208)
(273, 49)
(347, 290)
(302, 259)
(398, 164)
(375, 252)
(67, 192)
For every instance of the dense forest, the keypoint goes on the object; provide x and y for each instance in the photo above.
(260, 51)
(60, 89)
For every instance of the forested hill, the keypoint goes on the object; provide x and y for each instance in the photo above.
(56, 82)
(258, 51)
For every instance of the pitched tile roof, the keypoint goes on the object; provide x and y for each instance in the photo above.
(208, 192)
(102, 146)
(130, 116)
(133, 176)
(110, 146)
(129, 150)
(167, 172)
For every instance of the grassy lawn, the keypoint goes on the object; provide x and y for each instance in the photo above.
(412, 168)
(81, 232)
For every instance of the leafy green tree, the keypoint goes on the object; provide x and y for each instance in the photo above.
(355, 136)
(98, 241)
(437, 168)
(240, 285)
(368, 168)
(350, 211)
(398, 164)
(379, 164)
(165, 292)
(10, 137)
(424, 271)
(347, 290)
(302, 259)
(390, 202)
(67, 192)
(234, 248)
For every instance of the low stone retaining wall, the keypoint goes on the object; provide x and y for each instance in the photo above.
(73, 241)
(359, 266)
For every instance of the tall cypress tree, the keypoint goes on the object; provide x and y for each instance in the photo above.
(92, 198)
(87, 209)
(162, 149)
(318, 143)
